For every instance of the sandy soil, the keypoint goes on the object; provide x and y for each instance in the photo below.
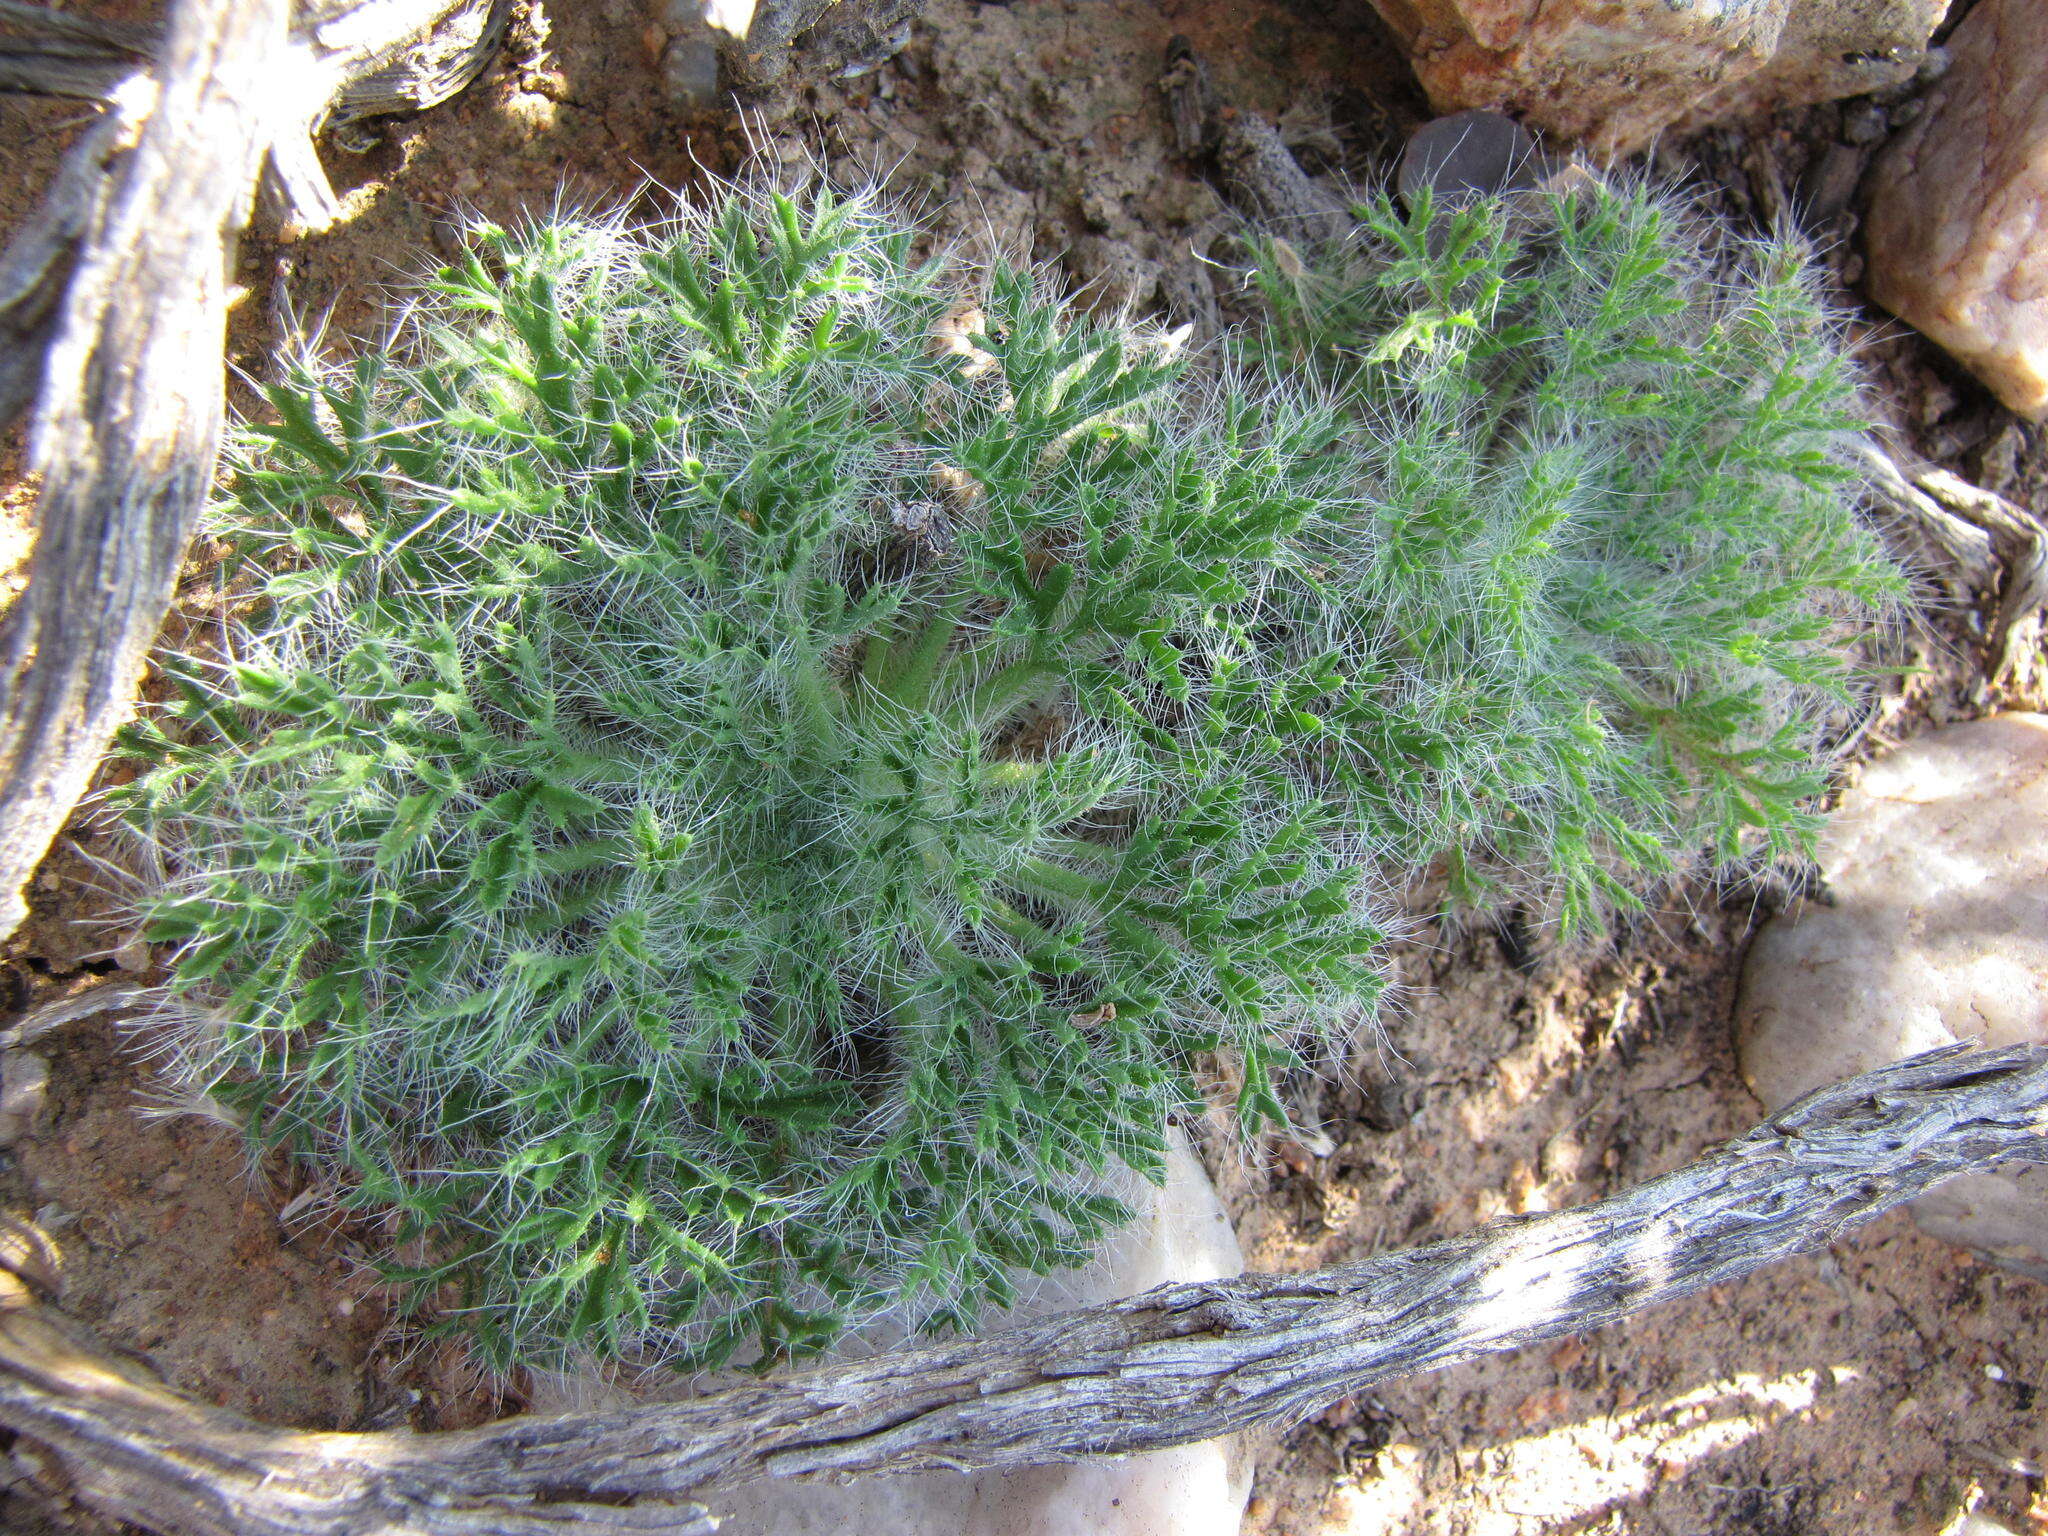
(1886, 1385)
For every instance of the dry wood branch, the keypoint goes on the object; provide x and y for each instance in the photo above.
(129, 413)
(1982, 534)
(381, 56)
(57, 53)
(38, 261)
(2022, 543)
(1180, 1363)
(1968, 547)
(113, 303)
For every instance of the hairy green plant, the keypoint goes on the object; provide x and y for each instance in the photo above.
(755, 771)
(1609, 557)
(729, 817)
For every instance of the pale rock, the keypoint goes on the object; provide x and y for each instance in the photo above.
(1973, 1523)
(1935, 930)
(1181, 1234)
(24, 1084)
(1470, 154)
(1957, 234)
(1615, 73)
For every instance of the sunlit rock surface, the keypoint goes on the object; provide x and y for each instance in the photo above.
(1935, 930)
(1614, 73)
(1957, 236)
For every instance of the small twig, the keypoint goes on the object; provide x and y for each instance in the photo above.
(33, 72)
(109, 997)
(2022, 543)
(1968, 546)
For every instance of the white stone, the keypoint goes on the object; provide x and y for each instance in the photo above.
(24, 1083)
(1182, 1234)
(1973, 1523)
(1957, 236)
(1935, 930)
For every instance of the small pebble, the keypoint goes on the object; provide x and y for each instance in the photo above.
(1864, 122)
(689, 69)
(24, 1081)
(1470, 154)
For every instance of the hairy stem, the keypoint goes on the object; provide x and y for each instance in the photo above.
(914, 662)
(1062, 886)
(1003, 693)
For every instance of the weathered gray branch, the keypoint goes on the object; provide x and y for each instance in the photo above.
(62, 53)
(382, 56)
(1981, 533)
(113, 305)
(2022, 544)
(119, 287)
(1180, 1363)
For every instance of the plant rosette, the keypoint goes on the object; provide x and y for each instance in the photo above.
(758, 771)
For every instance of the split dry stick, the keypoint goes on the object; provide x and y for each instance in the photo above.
(2021, 540)
(1180, 1363)
(113, 312)
(1993, 544)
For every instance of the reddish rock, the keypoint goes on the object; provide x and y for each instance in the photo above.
(1957, 238)
(1613, 73)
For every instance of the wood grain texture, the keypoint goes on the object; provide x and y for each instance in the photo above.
(113, 308)
(1178, 1364)
(129, 403)
(385, 56)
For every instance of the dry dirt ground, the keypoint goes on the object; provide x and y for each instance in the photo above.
(1886, 1385)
